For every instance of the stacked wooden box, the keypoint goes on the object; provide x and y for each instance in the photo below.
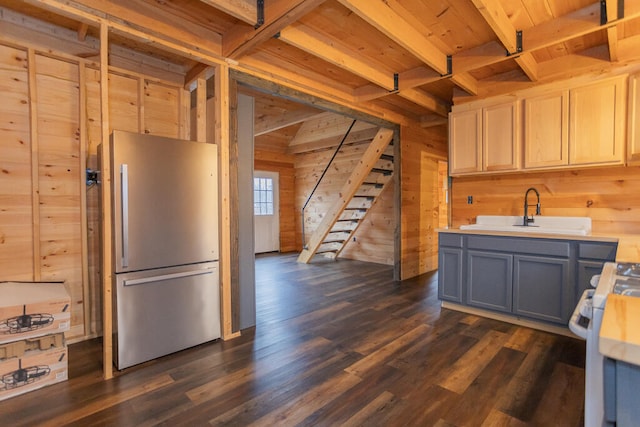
(33, 352)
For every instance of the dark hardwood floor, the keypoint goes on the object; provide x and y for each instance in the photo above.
(336, 343)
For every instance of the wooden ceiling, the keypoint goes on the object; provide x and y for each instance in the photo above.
(409, 59)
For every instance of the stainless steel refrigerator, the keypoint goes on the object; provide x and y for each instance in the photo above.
(165, 245)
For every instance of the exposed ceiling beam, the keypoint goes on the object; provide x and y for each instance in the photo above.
(289, 118)
(279, 14)
(466, 81)
(329, 50)
(244, 10)
(406, 80)
(575, 24)
(426, 100)
(144, 21)
(582, 65)
(195, 72)
(385, 19)
(430, 121)
(83, 28)
(612, 41)
(613, 11)
(496, 17)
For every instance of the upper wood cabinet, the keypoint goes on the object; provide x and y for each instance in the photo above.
(633, 144)
(597, 118)
(484, 139)
(500, 137)
(465, 147)
(546, 130)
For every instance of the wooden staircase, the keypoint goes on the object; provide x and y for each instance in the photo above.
(373, 172)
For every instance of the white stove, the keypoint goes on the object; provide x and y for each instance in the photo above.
(621, 278)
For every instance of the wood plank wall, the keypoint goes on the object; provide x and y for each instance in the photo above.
(48, 100)
(421, 153)
(608, 195)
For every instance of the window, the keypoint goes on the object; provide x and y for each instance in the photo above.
(262, 196)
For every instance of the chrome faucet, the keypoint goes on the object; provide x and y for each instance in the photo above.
(526, 219)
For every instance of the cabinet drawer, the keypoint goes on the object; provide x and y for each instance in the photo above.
(520, 245)
(453, 240)
(600, 251)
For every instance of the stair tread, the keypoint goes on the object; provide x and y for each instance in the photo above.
(374, 184)
(324, 251)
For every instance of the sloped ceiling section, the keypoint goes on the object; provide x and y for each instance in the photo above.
(411, 57)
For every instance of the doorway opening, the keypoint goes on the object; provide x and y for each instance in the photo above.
(266, 209)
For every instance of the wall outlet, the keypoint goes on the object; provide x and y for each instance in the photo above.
(469, 200)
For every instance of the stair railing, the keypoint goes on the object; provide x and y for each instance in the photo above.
(344, 138)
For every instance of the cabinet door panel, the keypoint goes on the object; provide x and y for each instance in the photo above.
(546, 131)
(465, 142)
(596, 123)
(543, 288)
(500, 138)
(490, 280)
(450, 274)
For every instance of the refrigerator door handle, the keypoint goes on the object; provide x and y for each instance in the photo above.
(124, 180)
(131, 282)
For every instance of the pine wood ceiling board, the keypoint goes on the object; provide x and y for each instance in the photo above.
(197, 12)
(336, 22)
(383, 16)
(276, 141)
(337, 54)
(325, 126)
(401, 106)
(495, 70)
(244, 10)
(304, 64)
(279, 14)
(496, 17)
(563, 7)
(442, 88)
(451, 26)
(273, 113)
(360, 136)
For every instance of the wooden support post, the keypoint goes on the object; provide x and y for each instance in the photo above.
(105, 177)
(222, 119)
(35, 164)
(201, 110)
(84, 142)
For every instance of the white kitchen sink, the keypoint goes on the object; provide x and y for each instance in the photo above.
(577, 226)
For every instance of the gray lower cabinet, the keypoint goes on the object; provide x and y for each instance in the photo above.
(490, 280)
(450, 274)
(542, 288)
(536, 278)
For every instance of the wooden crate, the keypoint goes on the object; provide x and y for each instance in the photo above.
(33, 309)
